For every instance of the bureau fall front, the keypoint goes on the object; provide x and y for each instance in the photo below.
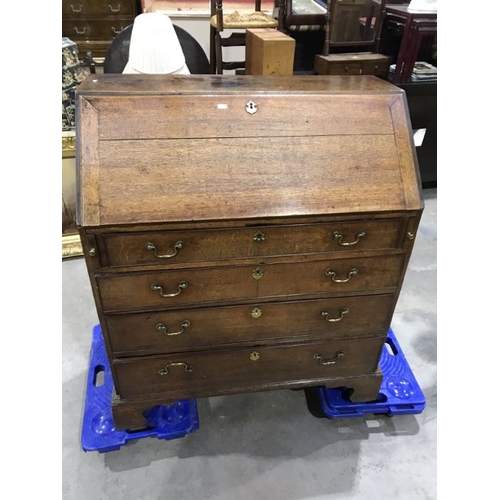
(243, 233)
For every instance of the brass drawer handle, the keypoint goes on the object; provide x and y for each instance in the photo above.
(80, 32)
(332, 273)
(326, 315)
(162, 328)
(77, 11)
(187, 368)
(338, 355)
(113, 9)
(151, 247)
(338, 236)
(180, 287)
(115, 31)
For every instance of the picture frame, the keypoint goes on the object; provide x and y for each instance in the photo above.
(71, 243)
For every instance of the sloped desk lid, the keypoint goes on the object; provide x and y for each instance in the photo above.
(165, 148)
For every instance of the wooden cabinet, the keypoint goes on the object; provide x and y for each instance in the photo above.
(244, 233)
(93, 24)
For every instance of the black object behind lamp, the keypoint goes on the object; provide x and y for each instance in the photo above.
(117, 55)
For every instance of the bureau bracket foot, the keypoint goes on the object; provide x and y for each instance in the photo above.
(131, 415)
(364, 389)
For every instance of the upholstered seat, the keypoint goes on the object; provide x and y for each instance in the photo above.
(237, 20)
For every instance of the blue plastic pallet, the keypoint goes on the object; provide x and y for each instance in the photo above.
(399, 393)
(98, 430)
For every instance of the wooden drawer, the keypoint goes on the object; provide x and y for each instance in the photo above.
(165, 247)
(133, 334)
(352, 64)
(92, 29)
(192, 373)
(85, 8)
(191, 286)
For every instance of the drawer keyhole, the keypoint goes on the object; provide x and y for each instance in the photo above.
(257, 273)
(256, 313)
(254, 356)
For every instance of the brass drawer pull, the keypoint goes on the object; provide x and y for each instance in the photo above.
(187, 368)
(151, 247)
(180, 287)
(338, 355)
(77, 11)
(338, 236)
(115, 31)
(80, 32)
(162, 328)
(326, 315)
(113, 9)
(332, 273)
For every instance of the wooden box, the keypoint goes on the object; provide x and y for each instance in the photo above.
(352, 64)
(234, 246)
(268, 52)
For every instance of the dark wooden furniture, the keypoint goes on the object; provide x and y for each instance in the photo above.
(354, 23)
(352, 39)
(416, 26)
(302, 16)
(233, 246)
(422, 105)
(93, 24)
(352, 64)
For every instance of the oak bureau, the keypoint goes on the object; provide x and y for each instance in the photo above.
(243, 233)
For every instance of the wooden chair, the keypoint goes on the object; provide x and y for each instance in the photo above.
(220, 21)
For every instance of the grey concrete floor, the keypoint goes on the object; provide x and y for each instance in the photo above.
(265, 445)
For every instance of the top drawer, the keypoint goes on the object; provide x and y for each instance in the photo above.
(85, 8)
(164, 247)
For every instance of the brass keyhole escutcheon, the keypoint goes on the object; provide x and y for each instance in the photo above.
(410, 235)
(251, 107)
(259, 237)
(256, 312)
(254, 356)
(257, 273)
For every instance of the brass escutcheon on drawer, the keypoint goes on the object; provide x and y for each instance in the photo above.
(258, 273)
(259, 237)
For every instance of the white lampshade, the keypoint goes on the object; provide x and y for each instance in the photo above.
(155, 47)
(423, 5)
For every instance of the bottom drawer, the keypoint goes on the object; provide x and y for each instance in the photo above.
(201, 374)
(352, 64)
